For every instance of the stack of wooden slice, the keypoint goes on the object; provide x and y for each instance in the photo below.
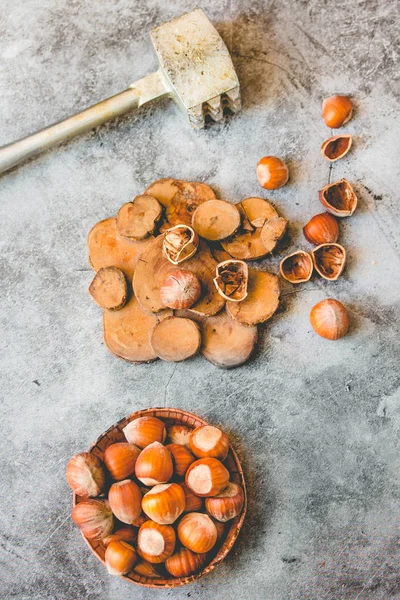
(134, 253)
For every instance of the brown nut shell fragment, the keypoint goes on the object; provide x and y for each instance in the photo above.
(153, 269)
(251, 242)
(329, 260)
(107, 248)
(127, 333)
(180, 198)
(109, 288)
(262, 299)
(297, 267)
(216, 220)
(231, 279)
(138, 219)
(336, 147)
(339, 198)
(226, 343)
(179, 243)
(175, 339)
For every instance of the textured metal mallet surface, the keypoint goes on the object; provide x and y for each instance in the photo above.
(195, 69)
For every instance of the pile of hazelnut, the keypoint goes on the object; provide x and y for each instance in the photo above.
(329, 317)
(167, 505)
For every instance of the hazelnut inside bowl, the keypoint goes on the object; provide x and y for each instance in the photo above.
(161, 578)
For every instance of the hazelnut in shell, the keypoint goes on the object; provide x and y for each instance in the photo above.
(336, 111)
(209, 441)
(156, 542)
(207, 477)
(85, 475)
(180, 290)
(125, 500)
(184, 563)
(120, 459)
(94, 518)
(329, 319)
(181, 457)
(146, 569)
(154, 465)
(193, 503)
(179, 434)
(197, 532)
(228, 504)
(321, 229)
(272, 173)
(164, 503)
(144, 431)
(120, 558)
(124, 534)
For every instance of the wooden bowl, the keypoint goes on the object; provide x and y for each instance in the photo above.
(171, 416)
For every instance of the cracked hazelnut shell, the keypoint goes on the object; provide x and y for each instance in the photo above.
(329, 260)
(180, 243)
(231, 279)
(296, 267)
(339, 198)
(336, 147)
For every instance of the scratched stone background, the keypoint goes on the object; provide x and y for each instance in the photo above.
(316, 423)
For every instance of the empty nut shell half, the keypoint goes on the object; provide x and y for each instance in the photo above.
(297, 267)
(339, 198)
(329, 260)
(336, 147)
(180, 243)
(231, 280)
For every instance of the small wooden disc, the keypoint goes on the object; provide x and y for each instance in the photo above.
(107, 248)
(262, 299)
(216, 220)
(109, 288)
(138, 219)
(225, 342)
(127, 332)
(175, 339)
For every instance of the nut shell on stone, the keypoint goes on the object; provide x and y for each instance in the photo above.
(329, 260)
(231, 280)
(339, 198)
(296, 267)
(336, 147)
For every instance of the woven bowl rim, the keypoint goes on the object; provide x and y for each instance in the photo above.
(186, 418)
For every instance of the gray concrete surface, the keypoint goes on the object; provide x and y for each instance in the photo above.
(316, 424)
